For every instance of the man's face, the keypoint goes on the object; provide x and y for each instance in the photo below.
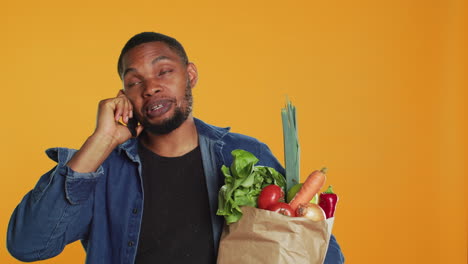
(159, 85)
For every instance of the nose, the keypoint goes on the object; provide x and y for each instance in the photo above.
(151, 87)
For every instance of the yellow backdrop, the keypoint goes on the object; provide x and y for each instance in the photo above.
(380, 89)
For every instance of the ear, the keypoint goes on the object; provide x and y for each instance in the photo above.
(192, 74)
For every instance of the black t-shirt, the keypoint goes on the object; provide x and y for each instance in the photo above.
(176, 225)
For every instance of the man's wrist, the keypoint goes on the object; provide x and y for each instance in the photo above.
(102, 141)
(93, 153)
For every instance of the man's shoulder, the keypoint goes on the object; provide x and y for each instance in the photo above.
(223, 133)
(226, 141)
(210, 131)
(233, 141)
(243, 139)
(229, 141)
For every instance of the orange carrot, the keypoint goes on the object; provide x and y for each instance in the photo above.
(311, 186)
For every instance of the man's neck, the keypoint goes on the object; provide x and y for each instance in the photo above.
(174, 144)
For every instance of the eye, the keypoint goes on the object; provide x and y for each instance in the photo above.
(130, 85)
(163, 72)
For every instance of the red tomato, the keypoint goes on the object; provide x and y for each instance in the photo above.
(282, 208)
(269, 195)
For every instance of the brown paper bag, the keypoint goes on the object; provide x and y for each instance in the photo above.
(265, 237)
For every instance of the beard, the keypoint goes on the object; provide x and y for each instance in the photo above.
(178, 118)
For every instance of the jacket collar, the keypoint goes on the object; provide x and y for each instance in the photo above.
(130, 147)
(210, 131)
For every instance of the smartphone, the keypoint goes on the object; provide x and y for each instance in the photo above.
(132, 125)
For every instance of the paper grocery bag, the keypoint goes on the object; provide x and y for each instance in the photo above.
(265, 237)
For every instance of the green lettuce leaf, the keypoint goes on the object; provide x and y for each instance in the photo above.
(243, 182)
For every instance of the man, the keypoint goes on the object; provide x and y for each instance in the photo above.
(145, 199)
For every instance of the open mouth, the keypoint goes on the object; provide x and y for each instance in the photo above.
(158, 107)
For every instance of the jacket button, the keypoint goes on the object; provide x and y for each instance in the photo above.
(130, 243)
(135, 211)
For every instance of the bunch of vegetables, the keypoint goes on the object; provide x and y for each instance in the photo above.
(303, 201)
(259, 186)
(264, 187)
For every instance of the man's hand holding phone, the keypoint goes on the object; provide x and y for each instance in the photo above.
(109, 133)
(110, 112)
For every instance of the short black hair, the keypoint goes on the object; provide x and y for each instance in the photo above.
(145, 37)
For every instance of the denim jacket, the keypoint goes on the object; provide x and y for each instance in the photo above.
(104, 208)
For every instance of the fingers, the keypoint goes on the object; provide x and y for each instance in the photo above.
(113, 116)
(129, 113)
(123, 108)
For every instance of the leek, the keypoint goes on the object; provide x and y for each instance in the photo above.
(291, 144)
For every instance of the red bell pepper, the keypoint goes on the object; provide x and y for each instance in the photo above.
(328, 200)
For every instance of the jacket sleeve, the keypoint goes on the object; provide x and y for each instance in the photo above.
(56, 212)
(334, 254)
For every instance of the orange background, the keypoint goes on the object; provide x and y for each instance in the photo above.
(380, 89)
